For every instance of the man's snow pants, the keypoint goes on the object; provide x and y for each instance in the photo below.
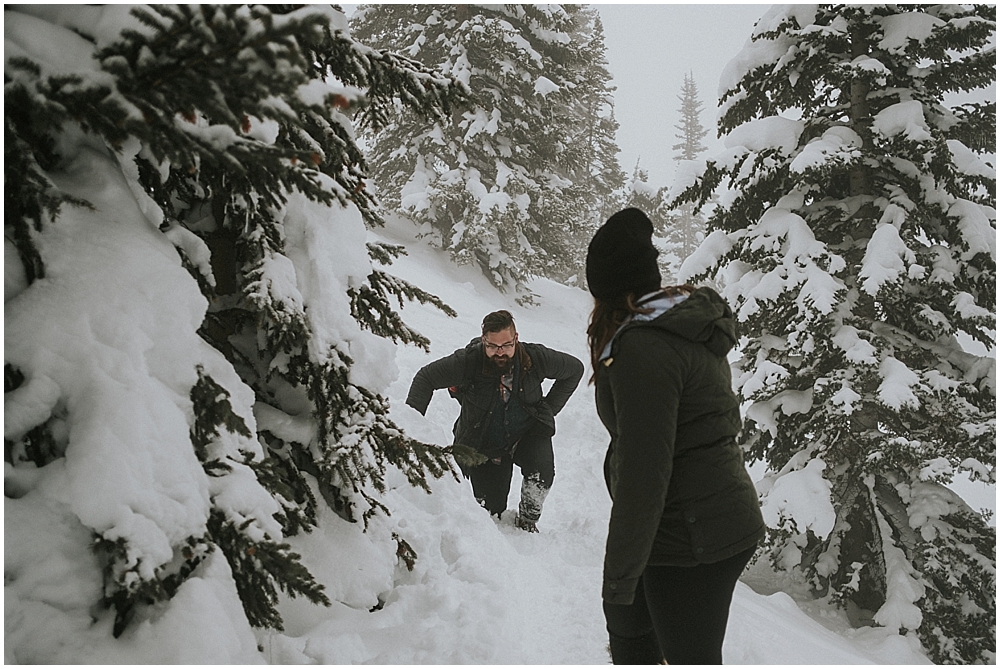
(491, 480)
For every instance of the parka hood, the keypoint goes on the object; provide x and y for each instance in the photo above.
(704, 317)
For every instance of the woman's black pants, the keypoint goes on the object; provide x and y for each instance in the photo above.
(679, 614)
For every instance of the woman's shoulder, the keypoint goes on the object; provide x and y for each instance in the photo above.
(647, 334)
(643, 341)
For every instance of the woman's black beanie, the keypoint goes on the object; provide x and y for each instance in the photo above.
(621, 257)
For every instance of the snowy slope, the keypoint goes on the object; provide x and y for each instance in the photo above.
(479, 592)
(485, 592)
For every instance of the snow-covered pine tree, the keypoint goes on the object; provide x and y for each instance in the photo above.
(595, 190)
(688, 225)
(641, 194)
(691, 129)
(212, 127)
(859, 251)
(503, 185)
(596, 91)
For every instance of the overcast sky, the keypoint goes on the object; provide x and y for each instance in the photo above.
(650, 47)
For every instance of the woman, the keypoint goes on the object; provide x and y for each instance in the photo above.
(685, 518)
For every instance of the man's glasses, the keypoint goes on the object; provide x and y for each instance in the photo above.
(509, 346)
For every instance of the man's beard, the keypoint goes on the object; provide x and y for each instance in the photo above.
(503, 363)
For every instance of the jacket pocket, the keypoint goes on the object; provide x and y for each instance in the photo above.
(531, 389)
(723, 525)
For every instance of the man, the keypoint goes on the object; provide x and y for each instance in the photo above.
(505, 417)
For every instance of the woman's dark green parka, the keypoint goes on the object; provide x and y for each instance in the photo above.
(681, 493)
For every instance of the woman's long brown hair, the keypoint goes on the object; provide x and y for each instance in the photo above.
(609, 315)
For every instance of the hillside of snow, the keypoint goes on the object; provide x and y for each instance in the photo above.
(485, 592)
(109, 346)
(480, 592)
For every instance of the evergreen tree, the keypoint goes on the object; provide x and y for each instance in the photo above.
(639, 193)
(227, 132)
(688, 228)
(692, 131)
(859, 251)
(595, 192)
(606, 177)
(504, 186)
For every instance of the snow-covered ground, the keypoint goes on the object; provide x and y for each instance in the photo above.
(111, 333)
(480, 592)
(485, 592)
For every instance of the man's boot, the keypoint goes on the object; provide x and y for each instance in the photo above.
(533, 494)
(522, 523)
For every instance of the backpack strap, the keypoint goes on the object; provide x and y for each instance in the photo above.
(468, 375)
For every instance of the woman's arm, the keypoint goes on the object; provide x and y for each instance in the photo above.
(646, 380)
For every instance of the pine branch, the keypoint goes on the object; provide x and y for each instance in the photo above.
(258, 566)
(383, 253)
(126, 590)
(286, 482)
(976, 127)
(263, 567)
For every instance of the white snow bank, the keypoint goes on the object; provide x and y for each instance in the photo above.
(127, 406)
(886, 258)
(15, 277)
(903, 118)
(772, 630)
(766, 133)
(110, 336)
(837, 145)
(899, 29)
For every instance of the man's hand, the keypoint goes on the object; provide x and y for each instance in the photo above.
(466, 456)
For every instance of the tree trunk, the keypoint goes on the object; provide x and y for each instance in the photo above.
(221, 323)
(894, 510)
(860, 118)
(860, 549)
(862, 540)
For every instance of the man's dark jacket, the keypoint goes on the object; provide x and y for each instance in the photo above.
(477, 379)
(681, 493)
